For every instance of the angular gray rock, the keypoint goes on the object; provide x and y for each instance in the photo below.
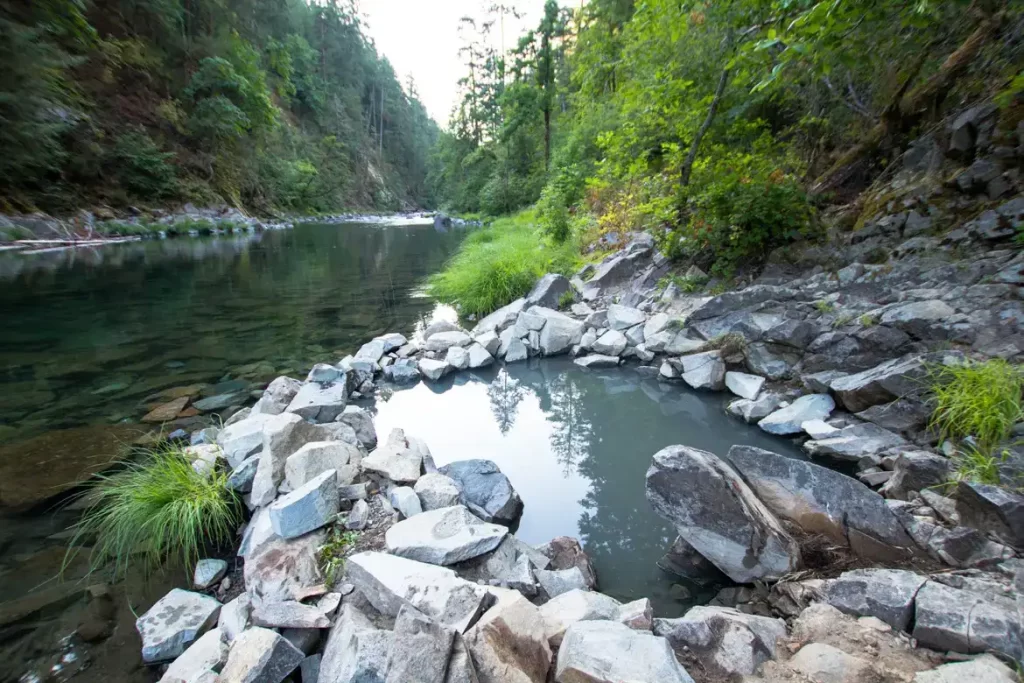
(881, 384)
(992, 508)
(360, 421)
(208, 572)
(234, 617)
(854, 442)
(597, 361)
(356, 651)
(284, 569)
(405, 500)
(727, 642)
(516, 351)
(436, 490)
(638, 615)
(389, 582)
(277, 396)
(788, 420)
(623, 317)
(371, 351)
(419, 650)
(208, 653)
(611, 343)
(754, 410)
(242, 439)
(916, 317)
(260, 655)
(485, 490)
(316, 457)
(916, 471)
(609, 652)
(508, 644)
(289, 614)
(563, 611)
(242, 477)
(703, 370)
(397, 459)
(983, 669)
(460, 664)
(174, 622)
(282, 435)
(309, 507)
(886, 594)
(548, 291)
(565, 552)
(479, 357)
(321, 401)
(457, 358)
(822, 501)
(358, 517)
(489, 341)
(443, 536)
(402, 374)
(717, 513)
(442, 341)
(501, 318)
(744, 385)
(556, 582)
(433, 369)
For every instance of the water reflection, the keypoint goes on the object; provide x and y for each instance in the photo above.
(576, 445)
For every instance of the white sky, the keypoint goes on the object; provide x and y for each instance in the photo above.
(421, 38)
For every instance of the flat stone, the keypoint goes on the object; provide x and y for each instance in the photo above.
(432, 369)
(717, 513)
(420, 649)
(289, 614)
(174, 622)
(405, 500)
(402, 374)
(208, 653)
(356, 651)
(479, 357)
(822, 662)
(309, 507)
(321, 401)
(260, 655)
(396, 460)
(704, 370)
(555, 582)
(623, 317)
(992, 508)
(942, 617)
(442, 341)
(788, 420)
(317, 457)
(485, 490)
(725, 641)
(371, 351)
(818, 429)
(597, 361)
(887, 594)
(166, 411)
(508, 644)
(566, 609)
(609, 652)
(443, 536)
(854, 442)
(284, 569)
(983, 669)
(208, 572)
(881, 384)
(744, 385)
(389, 582)
(822, 501)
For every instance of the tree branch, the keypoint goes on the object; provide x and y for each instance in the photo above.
(684, 173)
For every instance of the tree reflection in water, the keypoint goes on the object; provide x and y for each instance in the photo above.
(505, 393)
(571, 430)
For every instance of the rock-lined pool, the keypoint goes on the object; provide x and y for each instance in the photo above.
(576, 444)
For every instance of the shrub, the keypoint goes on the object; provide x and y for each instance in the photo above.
(498, 264)
(142, 169)
(977, 399)
(156, 509)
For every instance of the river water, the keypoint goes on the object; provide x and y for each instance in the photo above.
(91, 338)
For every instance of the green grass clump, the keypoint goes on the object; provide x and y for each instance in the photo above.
(978, 466)
(977, 399)
(500, 263)
(331, 554)
(155, 509)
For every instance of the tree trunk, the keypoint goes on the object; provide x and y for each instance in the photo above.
(684, 172)
(547, 137)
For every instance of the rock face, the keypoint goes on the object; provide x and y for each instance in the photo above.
(308, 507)
(726, 641)
(260, 655)
(485, 491)
(443, 536)
(886, 594)
(390, 582)
(317, 457)
(609, 652)
(717, 513)
(420, 649)
(563, 611)
(548, 291)
(823, 501)
(508, 644)
(356, 651)
(788, 420)
(174, 622)
(397, 459)
(436, 490)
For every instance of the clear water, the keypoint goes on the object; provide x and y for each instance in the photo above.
(576, 444)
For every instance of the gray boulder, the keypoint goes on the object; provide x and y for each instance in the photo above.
(174, 622)
(555, 582)
(277, 396)
(479, 357)
(744, 385)
(717, 513)
(609, 652)
(901, 377)
(489, 341)
(757, 409)
(560, 332)
(371, 351)
(510, 565)
(389, 582)
(915, 471)
(744, 298)
(508, 644)
(623, 317)
(597, 361)
(405, 500)
(986, 668)
(704, 370)
(309, 507)
(947, 618)
(501, 319)
(485, 491)
(360, 421)
(442, 341)
(402, 374)
(457, 358)
(443, 536)
(727, 642)
(282, 435)
(886, 594)
(516, 351)
(566, 609)
(208, 653)
(419, 650)
(611, 343)
(434, 369)
(321, 401)
(242, 439)
(242, 477)
(565, 552)
(548, 291)
(823, 501)
(208, 572)
(284, 569)
(289, 614)
(436, 490)
(789, 420)
(358, 517)
(315, 458)
(901, 416)
(854, 442)
(992, 508)
(260, 655)
(234, 617)
(397, 459)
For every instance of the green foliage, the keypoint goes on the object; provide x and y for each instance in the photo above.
(567, 299)
(977, 465)
(331, 555)
(824, 306)
(977, 399)
(141, 168)
(499, 264)
(157, 508)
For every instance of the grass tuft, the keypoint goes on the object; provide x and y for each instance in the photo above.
(500, 263)
(978, 466)
(332, 553)
(977, 399)
(157, 508)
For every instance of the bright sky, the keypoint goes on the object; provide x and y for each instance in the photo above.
(421, 38)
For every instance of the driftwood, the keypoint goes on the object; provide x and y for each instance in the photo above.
(910, 105)
(85, 242)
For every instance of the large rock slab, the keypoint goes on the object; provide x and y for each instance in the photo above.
(881, 384)
(356, 651)
(548, 291)
(289, 614)
(823, 501)
(983, 669)
(718, 514)
(436, 490)
(609, 652)
(624, 317)
(560, 332)
(277, 396)
(321, 401)
(389, 582)
(442, 341)
(396, 459)
(704, 370)
(854, 442)
(174, 622)
(992, 508)
(788, 420)
(309, 507)
(501, 318)
(443, 536)
(509, 645)
(284, 569)
(485, 491)
(886, 594)
(362, 423)
(282, 435)
(242, 439)
(419, 650)
(260, 655)
(206, 654)
(563, 611)
(727, 642)
(317, 457)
